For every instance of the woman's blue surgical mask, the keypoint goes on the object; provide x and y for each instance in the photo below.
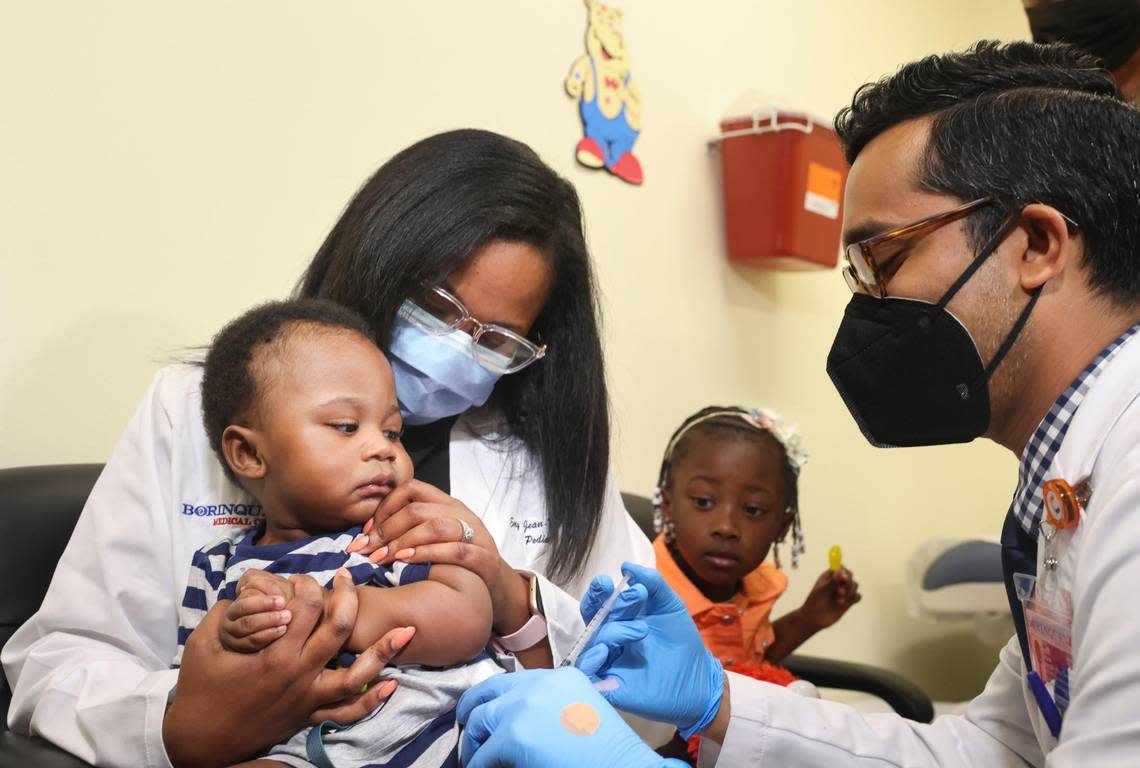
(437, 375)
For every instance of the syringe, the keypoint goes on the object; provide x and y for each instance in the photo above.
(595, 623)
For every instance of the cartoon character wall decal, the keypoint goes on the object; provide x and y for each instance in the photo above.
(607, 95)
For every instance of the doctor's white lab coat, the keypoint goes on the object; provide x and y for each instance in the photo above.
(90, 671)
(1003, 726)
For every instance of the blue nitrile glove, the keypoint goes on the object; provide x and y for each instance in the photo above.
(624, 624)
(547, 718)
(656, 665)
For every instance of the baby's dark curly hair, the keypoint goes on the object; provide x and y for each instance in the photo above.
(231, 380)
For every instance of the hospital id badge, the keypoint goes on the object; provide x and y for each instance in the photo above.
(1050, 640)
(1048, 626)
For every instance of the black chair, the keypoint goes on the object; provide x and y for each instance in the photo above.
(903, 696)
(38, 510)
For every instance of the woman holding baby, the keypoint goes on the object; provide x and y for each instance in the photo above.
(510, 444)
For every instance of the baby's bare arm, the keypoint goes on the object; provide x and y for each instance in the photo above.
(451, 612)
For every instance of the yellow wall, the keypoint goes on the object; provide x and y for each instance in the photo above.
(166, 165)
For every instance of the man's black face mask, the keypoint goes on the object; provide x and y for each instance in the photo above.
(910, 373)
(1108, 29)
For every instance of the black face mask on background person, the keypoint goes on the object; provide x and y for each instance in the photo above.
(1108, 29)
(909, 371)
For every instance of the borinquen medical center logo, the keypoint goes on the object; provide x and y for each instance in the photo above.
(226, 514)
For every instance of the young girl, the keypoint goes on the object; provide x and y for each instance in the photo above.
(727, 494)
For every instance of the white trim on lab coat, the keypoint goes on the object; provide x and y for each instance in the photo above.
(1003, 726)
(90, 671)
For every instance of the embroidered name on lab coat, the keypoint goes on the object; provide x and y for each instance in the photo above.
(531, 531)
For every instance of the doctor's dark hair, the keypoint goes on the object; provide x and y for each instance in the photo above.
(1023, 123)
(417, 220)
(230, 385)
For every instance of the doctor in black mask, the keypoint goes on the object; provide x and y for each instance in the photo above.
(909, 369)
(991, 226)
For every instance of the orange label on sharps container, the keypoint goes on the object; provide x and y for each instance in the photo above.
(823, 188)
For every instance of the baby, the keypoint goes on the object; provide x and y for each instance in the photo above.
(300, 405)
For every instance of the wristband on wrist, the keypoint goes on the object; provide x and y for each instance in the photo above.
(534, 630)
(529, 635)
(536, 608)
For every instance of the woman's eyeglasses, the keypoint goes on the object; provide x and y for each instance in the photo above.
(496, 348)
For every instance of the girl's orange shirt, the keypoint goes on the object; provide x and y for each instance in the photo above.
(738, 632)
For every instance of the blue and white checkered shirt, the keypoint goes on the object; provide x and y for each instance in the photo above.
(1028, 503)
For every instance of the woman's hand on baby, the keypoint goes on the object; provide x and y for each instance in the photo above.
(418, 522)
(831, 597)
(276, 692)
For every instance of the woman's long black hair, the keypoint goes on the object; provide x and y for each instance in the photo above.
(419, 217)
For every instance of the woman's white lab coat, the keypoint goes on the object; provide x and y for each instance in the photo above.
(1003, 726)
(91, 670)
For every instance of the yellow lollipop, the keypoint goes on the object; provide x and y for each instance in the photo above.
(835, 558)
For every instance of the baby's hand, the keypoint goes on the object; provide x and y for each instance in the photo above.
(834, 592)
(258, 616)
